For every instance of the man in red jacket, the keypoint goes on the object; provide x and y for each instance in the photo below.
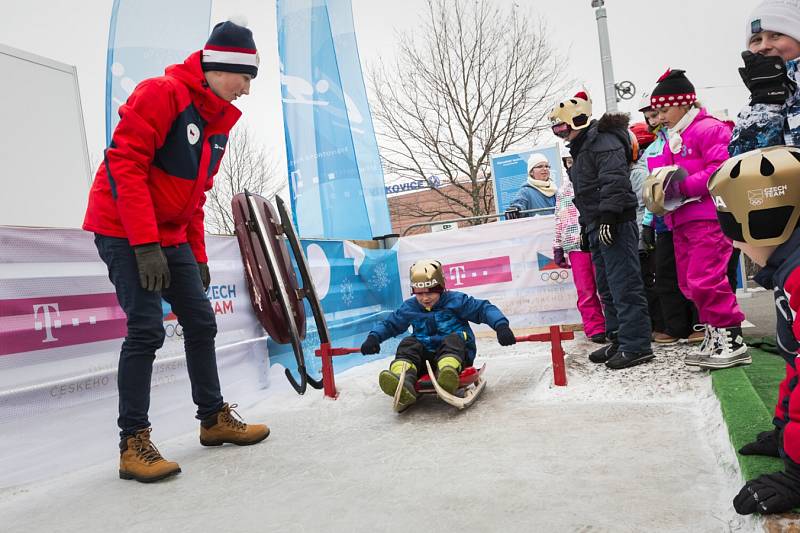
(146, 211)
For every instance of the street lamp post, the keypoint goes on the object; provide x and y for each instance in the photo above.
(605, 55)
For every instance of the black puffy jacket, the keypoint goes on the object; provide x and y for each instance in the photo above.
(600, 172)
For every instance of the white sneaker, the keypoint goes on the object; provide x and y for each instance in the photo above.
(706, 347)
(730, 350)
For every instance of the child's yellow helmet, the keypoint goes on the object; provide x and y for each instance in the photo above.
(426, 276)
(757, 195)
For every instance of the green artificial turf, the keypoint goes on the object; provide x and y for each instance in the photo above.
(747, 395)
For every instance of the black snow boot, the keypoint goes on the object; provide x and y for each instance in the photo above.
(600, 338)
(625, 359)
(601, 355)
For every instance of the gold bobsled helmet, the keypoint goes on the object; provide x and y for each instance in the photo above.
(572, 114)
(654, 186)
(757, 195)
(426, 276)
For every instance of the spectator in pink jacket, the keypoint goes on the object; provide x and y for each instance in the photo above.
(567, 244)
(698, 143)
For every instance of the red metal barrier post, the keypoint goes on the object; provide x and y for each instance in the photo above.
(554, 337)
(326, 353)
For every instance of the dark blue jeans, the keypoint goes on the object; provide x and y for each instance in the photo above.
(146, 330)
(619, 282)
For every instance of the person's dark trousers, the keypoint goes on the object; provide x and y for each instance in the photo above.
(677, 311)
(145, 335)
(619, 282)
(412, 350)
(733, 273)
(647, 262)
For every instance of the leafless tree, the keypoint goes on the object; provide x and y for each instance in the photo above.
(475, 80)
(245, 165)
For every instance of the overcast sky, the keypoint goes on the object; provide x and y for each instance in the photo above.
(704, 37)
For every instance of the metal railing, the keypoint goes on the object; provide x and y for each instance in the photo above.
(550, 210)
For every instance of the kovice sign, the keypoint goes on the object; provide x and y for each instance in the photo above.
(414, 185)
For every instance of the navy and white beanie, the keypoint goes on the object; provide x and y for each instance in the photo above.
(231, 48)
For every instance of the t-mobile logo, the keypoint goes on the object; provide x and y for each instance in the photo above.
(457, 273)
(50, 321)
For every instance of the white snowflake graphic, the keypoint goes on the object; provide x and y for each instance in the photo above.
(346, 289)
(380, 278)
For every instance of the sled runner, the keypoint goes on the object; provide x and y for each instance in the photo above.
(471, 384)
(276, 297)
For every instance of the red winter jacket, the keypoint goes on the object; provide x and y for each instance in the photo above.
(163, 156)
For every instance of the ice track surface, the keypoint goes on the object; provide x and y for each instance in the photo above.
(642, 449)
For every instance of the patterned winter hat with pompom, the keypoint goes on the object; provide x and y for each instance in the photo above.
(673, 89)
(231, 48)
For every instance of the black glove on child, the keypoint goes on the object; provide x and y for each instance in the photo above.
(559, 258)
(766, 443)
(771, 493)
(512, 213)
(152, 266)
(608, 229)
(205, 275)
(370, 345)
(766, 78)
(505, 336)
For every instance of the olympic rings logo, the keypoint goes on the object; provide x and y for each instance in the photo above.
(557, 276)
(173, 330)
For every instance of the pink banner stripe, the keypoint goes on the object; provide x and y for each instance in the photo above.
(480, 272)
(30, 324)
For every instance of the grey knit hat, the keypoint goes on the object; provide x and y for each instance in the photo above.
(782, 16)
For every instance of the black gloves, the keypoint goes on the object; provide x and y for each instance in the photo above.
(649, 238)
(765, 77)
(512, 213)
(770, 493)
(205, 275)
(766, 443)
(370, 345)
(152, 265)
(559, 258)
(584, 241)
(505, 336)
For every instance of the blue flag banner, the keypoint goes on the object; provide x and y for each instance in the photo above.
(358, 288)
(510, 172)
(144, 37)
(335, 173)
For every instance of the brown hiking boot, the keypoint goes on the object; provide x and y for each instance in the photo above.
(139, 459)
(224, 427)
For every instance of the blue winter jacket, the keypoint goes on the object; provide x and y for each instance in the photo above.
(451, 314)
(531, 198)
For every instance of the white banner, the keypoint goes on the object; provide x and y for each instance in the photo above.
(61, 329)
(509, 263)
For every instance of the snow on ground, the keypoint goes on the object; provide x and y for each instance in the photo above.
(632, 450)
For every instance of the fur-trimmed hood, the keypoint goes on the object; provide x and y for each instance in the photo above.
(612, 121)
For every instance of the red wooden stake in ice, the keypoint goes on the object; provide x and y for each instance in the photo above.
(554, 338)
(326, 353)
